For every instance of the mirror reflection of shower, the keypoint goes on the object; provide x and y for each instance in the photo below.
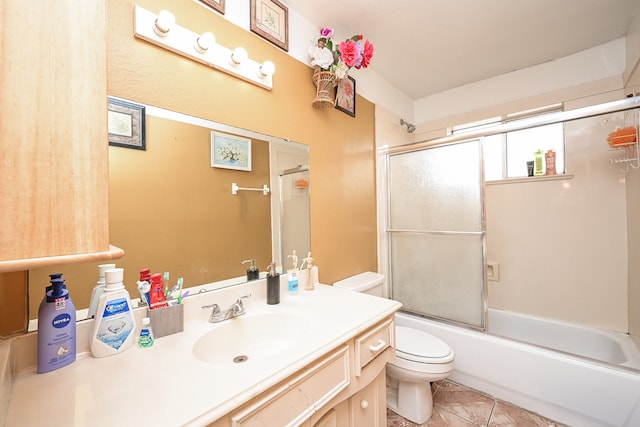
(410, 128)
(294, 212)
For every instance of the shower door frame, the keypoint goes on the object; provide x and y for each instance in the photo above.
(384, 152)
(386, 230)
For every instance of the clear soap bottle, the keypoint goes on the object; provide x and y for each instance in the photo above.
(292, 274)
(146, 338)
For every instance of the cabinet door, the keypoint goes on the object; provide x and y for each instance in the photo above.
(53, 129)
(330, 419)
(336, 417)
(368, 407)
(297, 399)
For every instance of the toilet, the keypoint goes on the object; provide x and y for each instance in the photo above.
(420, 359)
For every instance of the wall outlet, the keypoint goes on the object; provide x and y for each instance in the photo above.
(493, 271)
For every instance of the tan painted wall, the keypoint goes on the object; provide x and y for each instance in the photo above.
(342, 166)
(173, 212)
(13, 291)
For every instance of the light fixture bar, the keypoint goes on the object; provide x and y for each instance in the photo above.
(183, 41)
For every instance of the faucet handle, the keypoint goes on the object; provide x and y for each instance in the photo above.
(238, 307)
(215, 309)
(239, 301)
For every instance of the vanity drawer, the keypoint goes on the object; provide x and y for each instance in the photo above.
(373, 342)
(296, 400)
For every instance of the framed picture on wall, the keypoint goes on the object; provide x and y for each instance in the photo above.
(270, 20)
(230, 151)
(125, 122)
(217, 5)
(346, 96)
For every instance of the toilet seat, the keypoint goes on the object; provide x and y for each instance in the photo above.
(419, 346)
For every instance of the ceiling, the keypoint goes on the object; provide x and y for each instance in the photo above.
(427, 46)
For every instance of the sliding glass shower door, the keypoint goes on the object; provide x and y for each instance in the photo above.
(436, 232)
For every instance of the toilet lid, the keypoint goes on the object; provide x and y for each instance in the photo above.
(420, 346)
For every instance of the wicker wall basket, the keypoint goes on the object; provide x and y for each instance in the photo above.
(324, 81)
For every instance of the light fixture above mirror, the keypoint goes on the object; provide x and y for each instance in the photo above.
(162, 31)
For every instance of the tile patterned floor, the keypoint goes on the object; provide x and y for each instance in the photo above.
(455, 405)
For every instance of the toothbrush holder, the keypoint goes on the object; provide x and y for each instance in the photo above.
(167, 320)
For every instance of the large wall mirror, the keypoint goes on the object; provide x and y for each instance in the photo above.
(172, 210)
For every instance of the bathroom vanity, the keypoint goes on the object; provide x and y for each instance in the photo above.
(315, 359)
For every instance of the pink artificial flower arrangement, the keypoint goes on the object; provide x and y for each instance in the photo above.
(340, 58)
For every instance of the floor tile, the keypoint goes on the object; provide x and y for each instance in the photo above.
(507, 415)
(468, 404)
(443, 418)
(455, 405)
(395, 420)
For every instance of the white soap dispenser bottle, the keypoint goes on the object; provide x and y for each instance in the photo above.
(311, 272)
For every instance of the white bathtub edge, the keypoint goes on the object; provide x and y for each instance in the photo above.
(568, 390)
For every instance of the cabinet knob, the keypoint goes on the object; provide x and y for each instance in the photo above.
(364, 404)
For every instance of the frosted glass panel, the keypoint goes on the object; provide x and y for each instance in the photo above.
(439, 275)
(295, 215)
(436, 232)
(436, 188)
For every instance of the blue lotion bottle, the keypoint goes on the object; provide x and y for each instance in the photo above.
(56, 329)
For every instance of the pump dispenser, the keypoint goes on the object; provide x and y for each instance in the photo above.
(310, 272)
(273, 285)
(98, 289)
(56, 328)
(292, 274)
(49, 287)
(252, 273)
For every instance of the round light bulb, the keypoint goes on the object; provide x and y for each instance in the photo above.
(163, 23)
(267, 69)
(239, 55)
(204, 42)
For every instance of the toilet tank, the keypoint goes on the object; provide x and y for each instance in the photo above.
(367, 282)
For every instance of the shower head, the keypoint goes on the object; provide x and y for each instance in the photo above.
(410, 127)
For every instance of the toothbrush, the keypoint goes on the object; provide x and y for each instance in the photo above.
(180, 290)
(166, 283)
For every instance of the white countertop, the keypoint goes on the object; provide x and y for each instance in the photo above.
(166, 385)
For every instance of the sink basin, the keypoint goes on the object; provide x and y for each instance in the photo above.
(250, 337)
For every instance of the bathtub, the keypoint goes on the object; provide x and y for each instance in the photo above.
(574, 390)
(612, 348)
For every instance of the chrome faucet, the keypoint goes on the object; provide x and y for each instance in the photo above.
(236, 309)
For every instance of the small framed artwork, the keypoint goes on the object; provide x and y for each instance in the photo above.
(126, 124)
(217, 5)
(270, 20)
(346, 96)
(230, 151)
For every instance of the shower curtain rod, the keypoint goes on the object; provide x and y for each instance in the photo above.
(547, 119)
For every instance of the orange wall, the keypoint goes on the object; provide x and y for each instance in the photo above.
(342, 157)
